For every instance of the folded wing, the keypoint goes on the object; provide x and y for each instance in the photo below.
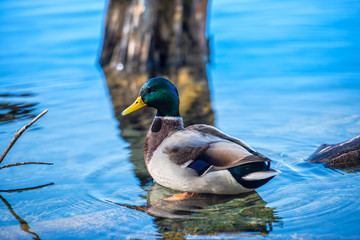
(209, 144)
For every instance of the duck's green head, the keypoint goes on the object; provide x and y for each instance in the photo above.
(158, 93)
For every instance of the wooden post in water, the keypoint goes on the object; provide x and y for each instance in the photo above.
(155, 35)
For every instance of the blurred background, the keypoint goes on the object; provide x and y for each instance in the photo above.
(284, 76)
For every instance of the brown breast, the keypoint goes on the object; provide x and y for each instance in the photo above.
(159, 130)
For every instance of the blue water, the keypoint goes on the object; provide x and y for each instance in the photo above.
(284, 77)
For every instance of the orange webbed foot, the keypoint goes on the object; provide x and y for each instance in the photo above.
(179, 196)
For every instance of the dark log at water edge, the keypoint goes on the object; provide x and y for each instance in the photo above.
(345, 155)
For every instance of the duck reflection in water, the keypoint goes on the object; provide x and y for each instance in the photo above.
(208, 213)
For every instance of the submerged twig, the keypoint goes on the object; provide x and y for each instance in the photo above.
(18, 134)
(24, 163)
(23, 224)
(26, 189)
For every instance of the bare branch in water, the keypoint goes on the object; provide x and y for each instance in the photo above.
(26, 189)
(18, 134)
(24, 163)
(23, 224)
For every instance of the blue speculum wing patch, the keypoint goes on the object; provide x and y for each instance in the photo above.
(200, 166)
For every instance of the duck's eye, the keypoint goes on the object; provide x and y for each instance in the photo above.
(152, 90)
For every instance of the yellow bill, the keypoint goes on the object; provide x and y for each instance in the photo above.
(138, 104)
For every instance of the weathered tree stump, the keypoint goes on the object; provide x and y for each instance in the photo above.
(155, 36)
(345, 155)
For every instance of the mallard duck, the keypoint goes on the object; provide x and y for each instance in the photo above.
(199, 158)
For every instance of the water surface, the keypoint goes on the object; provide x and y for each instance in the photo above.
(284, 77)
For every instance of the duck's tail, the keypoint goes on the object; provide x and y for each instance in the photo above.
(253, 175)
